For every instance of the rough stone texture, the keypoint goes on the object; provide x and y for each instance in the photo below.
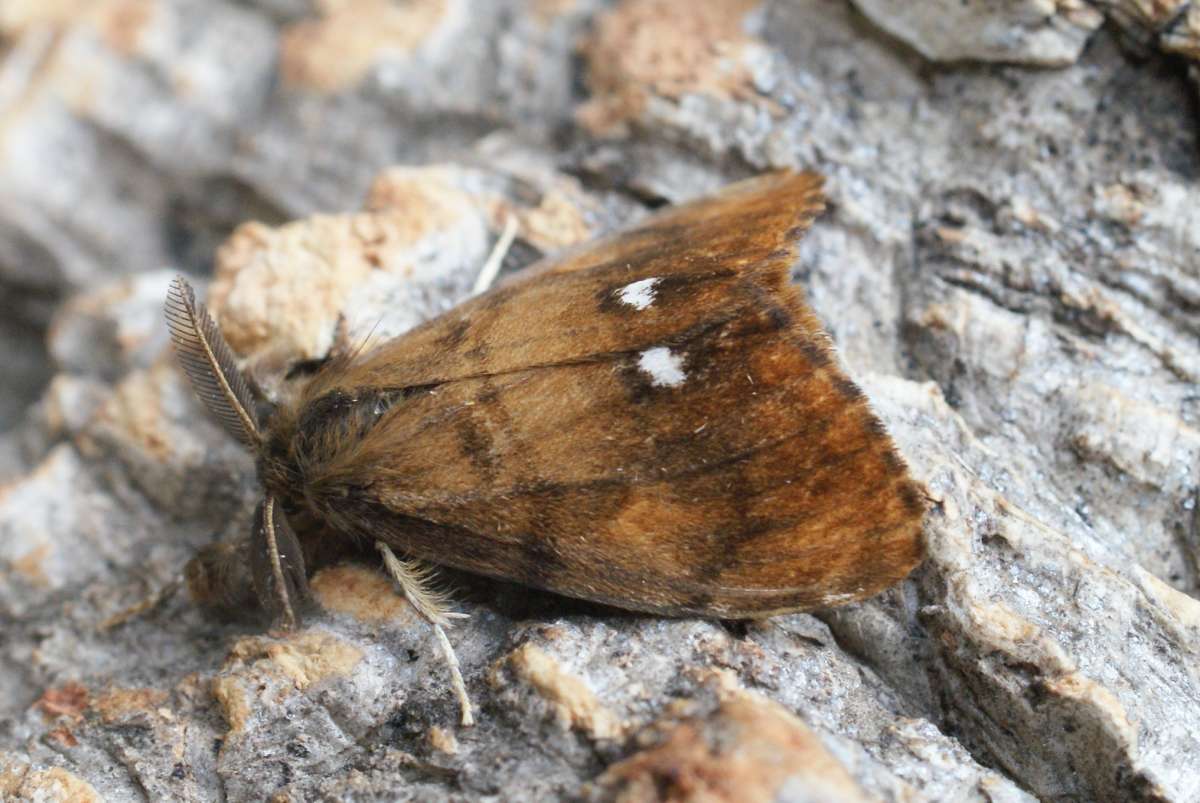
(744, 748)
(1010, 266)
(1039, 32)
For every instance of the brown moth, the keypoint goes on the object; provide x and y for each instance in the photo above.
(655, 421)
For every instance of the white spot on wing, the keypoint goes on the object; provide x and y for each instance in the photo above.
(664, 367)
(639, 294)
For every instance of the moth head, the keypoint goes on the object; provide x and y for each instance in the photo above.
(218, 577)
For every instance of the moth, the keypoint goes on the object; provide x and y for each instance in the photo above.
(655, 421)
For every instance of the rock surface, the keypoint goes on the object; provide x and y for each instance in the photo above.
(1010, 266)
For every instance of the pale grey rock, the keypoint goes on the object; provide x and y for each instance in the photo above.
(1010, 265)
(1038, 32)
(108, 330)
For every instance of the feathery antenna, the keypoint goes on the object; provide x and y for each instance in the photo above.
(209, 363)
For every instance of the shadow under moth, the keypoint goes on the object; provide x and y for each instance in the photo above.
(654, 421)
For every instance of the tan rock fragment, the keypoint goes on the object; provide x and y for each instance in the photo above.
(442, 740)
(120, 23)
(121, 705)
(305, 658)
(336, 50)
(62, 736)
(148, 421)
(134, 412)
(231, 695)
(1029, 215)
(1142, 440)
(282, 289)
(258, 663)
(546, 11)
(557, 221)
(1181, 611)
(749, 749)
(574, 702)
(20, 781)
(666, 48)
(359, 591)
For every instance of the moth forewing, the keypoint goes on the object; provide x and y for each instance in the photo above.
(655, 421)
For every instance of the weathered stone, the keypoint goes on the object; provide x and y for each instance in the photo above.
(745, 749)
(1038, 32)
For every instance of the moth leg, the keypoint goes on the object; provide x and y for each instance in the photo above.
(413, 578)
(277, 565)
(491, 267)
